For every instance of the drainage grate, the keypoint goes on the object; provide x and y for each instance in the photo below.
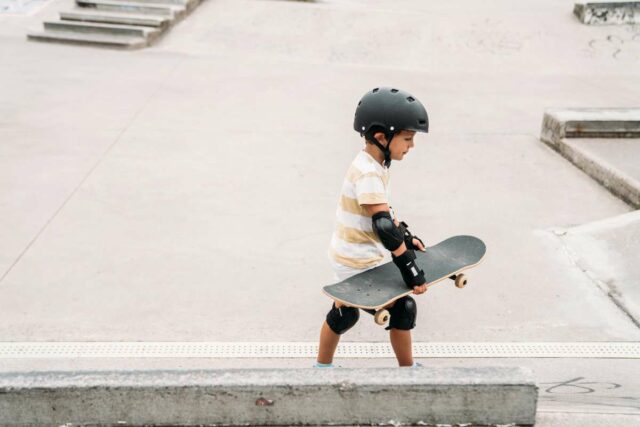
(604, 350)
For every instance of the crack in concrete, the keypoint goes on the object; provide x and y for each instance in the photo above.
(90, 172)
(611, 292)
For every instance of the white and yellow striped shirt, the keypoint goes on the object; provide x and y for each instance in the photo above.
(354, 243)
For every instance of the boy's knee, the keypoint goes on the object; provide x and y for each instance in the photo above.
(341, 319)
(403, 314)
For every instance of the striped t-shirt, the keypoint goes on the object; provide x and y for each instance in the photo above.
(354, 243)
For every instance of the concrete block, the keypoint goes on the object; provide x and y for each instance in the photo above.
(590, 123)
(607, 12)
(498, 395)
(560, 126)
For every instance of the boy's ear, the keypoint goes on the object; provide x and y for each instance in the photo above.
(379, 136)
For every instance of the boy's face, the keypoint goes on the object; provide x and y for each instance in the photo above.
(401, 143)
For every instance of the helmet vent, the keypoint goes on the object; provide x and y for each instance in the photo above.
(394, 90)
(410, 98)
(359, 103)
(376, 89)
(422, 122)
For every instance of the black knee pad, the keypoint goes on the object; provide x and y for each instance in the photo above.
(403, 314)
(340, 320)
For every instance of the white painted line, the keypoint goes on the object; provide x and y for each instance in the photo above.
(226, 350)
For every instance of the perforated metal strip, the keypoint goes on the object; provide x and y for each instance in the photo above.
(605, 350)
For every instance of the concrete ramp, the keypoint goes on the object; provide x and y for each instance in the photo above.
(608, 251)
(395, 396)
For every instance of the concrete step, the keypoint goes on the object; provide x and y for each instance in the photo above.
(177, 2)
(171, 10)
(149, 33)
(116, 18)
(105, 40)
(189, 4)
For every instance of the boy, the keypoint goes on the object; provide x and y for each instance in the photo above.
(388, 119)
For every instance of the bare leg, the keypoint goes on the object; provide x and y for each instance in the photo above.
(401, 343)
(328, 344)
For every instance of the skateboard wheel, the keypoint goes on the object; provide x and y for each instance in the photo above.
(381, 317)
(461, 281)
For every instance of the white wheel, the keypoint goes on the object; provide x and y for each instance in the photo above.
(381, 317)
(461, 281)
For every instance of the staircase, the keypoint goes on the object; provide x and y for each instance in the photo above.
(123, 24)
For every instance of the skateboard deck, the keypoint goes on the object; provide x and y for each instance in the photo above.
(380, 286)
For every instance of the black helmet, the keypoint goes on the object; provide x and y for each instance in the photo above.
(390, 111)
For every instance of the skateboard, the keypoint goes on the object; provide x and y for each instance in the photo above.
(375, 289)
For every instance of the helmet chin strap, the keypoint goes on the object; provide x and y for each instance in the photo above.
(385, 150)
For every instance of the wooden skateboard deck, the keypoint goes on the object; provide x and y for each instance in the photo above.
(382, 285)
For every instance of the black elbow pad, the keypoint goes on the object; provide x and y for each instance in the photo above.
(390, 235)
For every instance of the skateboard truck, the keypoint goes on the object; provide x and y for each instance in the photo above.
(382, 316)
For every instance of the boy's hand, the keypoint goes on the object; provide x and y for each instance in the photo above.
(418, 244)
(417, 290)
(412, 242)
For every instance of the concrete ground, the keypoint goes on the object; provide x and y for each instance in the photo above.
(186, 192)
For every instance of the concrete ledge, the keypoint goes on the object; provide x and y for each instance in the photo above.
(270, 397)
(607, 12)
(590, 123)
(558, 126)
